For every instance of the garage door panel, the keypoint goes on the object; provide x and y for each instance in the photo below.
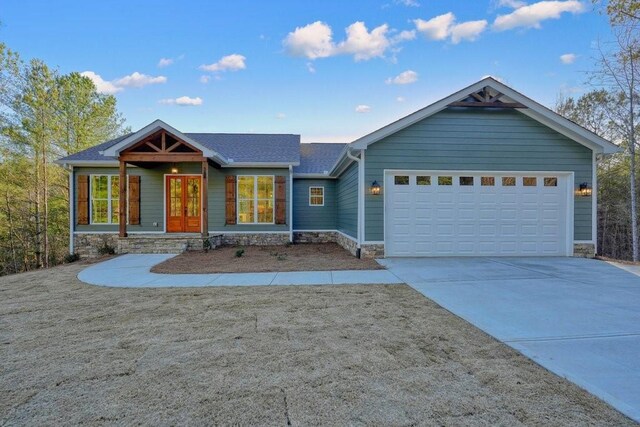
(490, 219)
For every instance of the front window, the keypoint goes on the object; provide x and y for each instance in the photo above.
(105, 199)
(316, 196)
(255, 200)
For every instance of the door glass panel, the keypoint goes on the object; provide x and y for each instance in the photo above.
(551, 182)
(489, 181)
(423, 180)
(193, 197)
(529, 181)
(445, 180)
(466, 180)
(175, 197)
(508, 181)
(401, 180)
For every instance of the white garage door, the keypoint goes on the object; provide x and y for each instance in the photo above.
(478, 213)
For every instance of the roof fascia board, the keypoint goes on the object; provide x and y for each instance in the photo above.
(312, 176)
(260, 165)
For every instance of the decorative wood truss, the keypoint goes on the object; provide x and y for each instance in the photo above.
(163, 147)
(487, 98)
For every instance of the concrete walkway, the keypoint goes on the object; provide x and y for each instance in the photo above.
(579, 318)
(133, 271)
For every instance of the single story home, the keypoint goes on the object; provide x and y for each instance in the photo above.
(484, 171)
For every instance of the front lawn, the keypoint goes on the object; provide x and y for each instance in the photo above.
(73, 354)
(250, 259)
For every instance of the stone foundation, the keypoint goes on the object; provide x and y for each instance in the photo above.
(258, 239)
(372, 250)
(326, 237)
(584, 250)
(90, 245)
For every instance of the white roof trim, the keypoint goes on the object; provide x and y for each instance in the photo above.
(313, 176)
(260, 164)
(114, 150)
(535, 110)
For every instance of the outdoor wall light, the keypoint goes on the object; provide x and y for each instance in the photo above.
(584, 190)
(174, 168)
(375, 188)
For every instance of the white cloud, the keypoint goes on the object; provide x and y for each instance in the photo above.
(137, 79)
(408, 3)
(363, 109)
(568, 58)
(404, 36)
(532, 15)
(400, 99)
(363, 44)
(205, 79)
(102, 86)
(444, 27)
(514, 4)
(165, 62)
(404, 78)
(311, 68)
(311, 41)
(437, 28)
(316, 41)
(469, 31)
(498, 78)
(183, 101)
(232, 62)
(281, 116)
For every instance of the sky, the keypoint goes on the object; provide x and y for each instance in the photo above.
(329, 70)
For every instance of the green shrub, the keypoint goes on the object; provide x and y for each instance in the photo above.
(239, 252)
(71, 258)
(106, 249)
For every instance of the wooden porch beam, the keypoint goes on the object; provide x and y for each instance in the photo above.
(161, 157)
(205, 198)
(122, 226)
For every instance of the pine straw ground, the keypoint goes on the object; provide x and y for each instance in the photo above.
(72, 353)
(297, 257)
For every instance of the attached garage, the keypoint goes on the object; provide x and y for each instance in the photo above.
(465, 213)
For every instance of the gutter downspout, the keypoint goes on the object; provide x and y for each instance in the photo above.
(291, 203)
(71, 210)
(360, 199)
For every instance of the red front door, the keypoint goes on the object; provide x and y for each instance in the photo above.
(184, 196)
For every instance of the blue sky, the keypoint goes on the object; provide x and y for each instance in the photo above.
(329, 70)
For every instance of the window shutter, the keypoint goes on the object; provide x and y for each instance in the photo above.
(134, 199)
(230, 198)
(82, 209)
(281, 200)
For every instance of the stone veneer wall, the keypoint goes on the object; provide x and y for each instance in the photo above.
(325, 237)
(584, 250)
(88, 245)
(257, 239)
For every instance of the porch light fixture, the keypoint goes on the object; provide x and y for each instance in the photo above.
(584, 190)
(174, 168)
(375, 188)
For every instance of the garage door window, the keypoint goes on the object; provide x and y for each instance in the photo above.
(423, 180)
(508, 181)
(445, 180)
(529, 181)
(551, 182)
(488, 181)
(401, 180)
(466, 180)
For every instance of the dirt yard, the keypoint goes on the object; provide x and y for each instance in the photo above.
(75, 354)
(299, 257)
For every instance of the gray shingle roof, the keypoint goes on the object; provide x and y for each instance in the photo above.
(252, 147)
(249, 148)
(318, 157)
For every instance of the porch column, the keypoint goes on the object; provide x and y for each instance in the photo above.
(123, 199)
(205, 198)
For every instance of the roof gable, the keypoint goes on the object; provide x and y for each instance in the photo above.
(523, 104)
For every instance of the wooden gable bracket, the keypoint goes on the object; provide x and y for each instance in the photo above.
(158, 148)
(487, 98)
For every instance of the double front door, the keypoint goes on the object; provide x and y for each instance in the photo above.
(184, 198)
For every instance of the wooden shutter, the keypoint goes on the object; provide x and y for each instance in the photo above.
(134, 200)
(82, 208)
(230, 199)
(281, 199)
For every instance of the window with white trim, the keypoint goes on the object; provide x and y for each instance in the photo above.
(255, 199)
(316, 196)
(105, 199)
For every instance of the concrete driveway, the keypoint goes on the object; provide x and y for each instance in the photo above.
(579, 318)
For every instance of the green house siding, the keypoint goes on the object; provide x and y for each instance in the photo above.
(492, 140)
(152, 197)
(347, 198)
(306, 217)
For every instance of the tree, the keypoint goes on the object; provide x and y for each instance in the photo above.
(622, 11)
